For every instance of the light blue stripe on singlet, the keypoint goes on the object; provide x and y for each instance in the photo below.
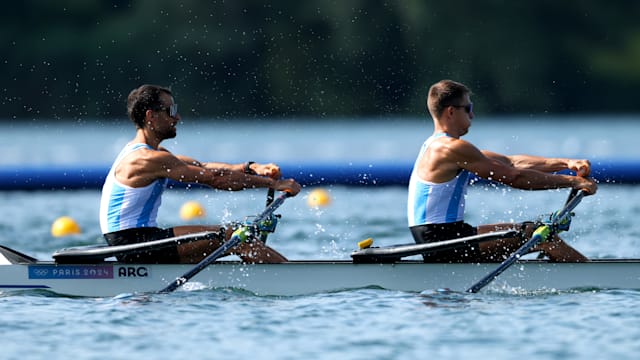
(147, 210)
(454, 204)
(117, 197)
(420, 207)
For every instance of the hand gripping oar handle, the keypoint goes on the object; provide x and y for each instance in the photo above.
(541, 233)
(238, 236)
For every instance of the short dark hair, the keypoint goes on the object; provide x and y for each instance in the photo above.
(143, 98)
(445, 93)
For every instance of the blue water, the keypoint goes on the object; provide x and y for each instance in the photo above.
(356, 324)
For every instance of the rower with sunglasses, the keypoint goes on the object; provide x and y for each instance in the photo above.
(443, 168)
(132, 191)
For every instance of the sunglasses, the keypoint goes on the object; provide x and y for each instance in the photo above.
(467, 108)
(171, 110)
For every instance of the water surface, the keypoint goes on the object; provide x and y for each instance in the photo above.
(197, 322)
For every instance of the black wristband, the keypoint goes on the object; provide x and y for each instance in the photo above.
(247, 168)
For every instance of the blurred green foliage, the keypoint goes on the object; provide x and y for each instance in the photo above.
(73, 59)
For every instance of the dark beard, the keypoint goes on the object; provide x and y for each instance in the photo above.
(169, 133)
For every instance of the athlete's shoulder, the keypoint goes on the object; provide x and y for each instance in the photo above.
(453, 145)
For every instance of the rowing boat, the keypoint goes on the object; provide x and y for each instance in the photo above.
(93, 270)
(19, 272)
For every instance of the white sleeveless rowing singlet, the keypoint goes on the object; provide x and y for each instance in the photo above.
(435, 203)
(124, 207)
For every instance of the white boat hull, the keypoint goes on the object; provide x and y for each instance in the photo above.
(308, 277)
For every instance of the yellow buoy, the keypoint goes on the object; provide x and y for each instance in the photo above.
(64, 226)
(318, 198)
(191, 210)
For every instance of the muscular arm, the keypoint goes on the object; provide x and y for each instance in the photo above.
(520, 172)
(210, 165)
(582, 167)
(150, 165)
(270, 170)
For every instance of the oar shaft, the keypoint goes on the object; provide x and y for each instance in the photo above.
(535, 239)
(232, 242)
(572, 203)
(505, 264)
(270, 195)
(268, 211)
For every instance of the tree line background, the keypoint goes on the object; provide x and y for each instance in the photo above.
(75, 59)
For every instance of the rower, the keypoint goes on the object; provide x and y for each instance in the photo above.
(133, 188)
(444, 167)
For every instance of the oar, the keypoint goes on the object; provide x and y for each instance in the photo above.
(241, 234)
(270, 195)
(541, 233)
(572, 194)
